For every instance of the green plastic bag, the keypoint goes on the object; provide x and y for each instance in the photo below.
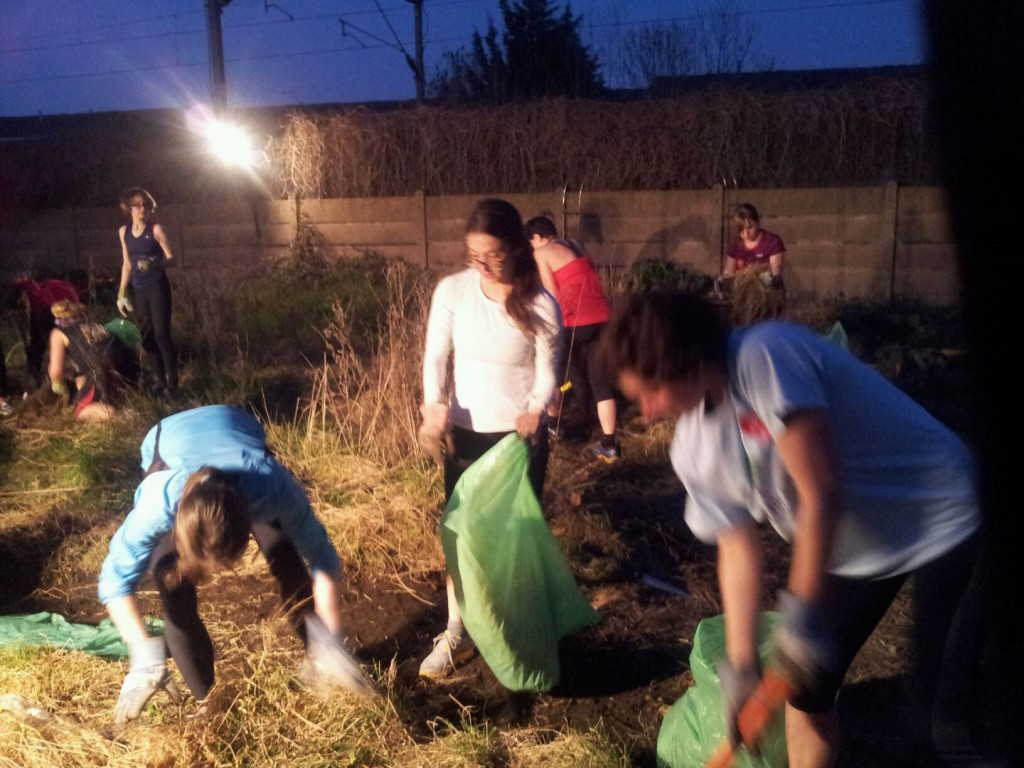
(695, 725)
(837, 335)
(126, 331)
(38, 629)
(515, 590)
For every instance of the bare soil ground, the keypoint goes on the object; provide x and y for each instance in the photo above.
(616, 523)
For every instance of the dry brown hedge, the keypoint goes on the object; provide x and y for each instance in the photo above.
(848, 135)
(842, 137)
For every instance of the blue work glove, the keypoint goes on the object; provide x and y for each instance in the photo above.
(804, 652)
(147, 674)
(328, 661)
(737, 686)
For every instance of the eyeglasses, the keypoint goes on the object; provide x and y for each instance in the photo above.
(491, 258)
(137, 205)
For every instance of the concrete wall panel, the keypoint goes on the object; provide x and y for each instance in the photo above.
(869, 242)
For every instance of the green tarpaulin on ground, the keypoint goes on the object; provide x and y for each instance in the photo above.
(52, 629)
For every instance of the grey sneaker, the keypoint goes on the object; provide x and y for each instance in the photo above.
(6, 409)
(449, 651)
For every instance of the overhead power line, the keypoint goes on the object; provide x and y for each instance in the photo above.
(839, 4)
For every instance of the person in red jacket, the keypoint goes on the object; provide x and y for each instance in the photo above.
(40, 295)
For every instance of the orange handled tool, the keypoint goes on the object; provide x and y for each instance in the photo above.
(771, 693)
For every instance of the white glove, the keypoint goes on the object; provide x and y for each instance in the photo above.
(147, 674)
(124, 306)
(329, 659)
(434, 438)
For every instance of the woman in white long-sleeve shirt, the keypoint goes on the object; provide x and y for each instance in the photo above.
(499, 327)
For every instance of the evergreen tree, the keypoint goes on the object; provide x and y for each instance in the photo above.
(539, 54)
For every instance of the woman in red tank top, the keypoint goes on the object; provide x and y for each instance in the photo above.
(569, 276)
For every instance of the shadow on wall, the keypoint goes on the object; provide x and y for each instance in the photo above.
(666, 243)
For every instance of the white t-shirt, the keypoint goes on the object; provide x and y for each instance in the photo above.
(908, 482)
(499, 372)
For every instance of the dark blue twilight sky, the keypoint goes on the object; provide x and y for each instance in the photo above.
(61, 57)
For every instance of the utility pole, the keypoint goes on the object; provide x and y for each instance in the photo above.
(417, 65)
(218, 83)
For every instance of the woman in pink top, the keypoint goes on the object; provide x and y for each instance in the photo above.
(754, 247)
(569, 276)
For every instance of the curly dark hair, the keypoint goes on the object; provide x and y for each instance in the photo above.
(663, 335)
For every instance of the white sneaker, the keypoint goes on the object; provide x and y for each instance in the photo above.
(449, 651)
(6, 409)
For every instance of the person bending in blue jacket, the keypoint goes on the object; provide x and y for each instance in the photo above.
(211, 482)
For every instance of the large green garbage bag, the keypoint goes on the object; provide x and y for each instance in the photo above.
(695, 725)
(515, 590)
(126, 331)
(53, 629)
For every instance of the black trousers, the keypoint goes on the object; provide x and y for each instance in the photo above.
(589, 384)
(187, 638)
(470, 446)
(854, 607)
(40, 323)
(153, 311)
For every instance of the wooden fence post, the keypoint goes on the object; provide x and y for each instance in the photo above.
(890, 221)
(718, 233)
(424, 244)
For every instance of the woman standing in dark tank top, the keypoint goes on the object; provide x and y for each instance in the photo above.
(147, 253)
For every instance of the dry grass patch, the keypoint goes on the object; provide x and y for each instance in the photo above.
(257, 714)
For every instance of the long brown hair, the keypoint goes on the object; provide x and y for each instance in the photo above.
(211, 527)
(500, 219)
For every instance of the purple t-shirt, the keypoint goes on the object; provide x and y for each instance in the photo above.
(769, 245)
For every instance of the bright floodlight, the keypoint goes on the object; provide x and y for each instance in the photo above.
(230, 143)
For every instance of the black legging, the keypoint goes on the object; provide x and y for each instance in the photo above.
(589, 384)
(40, 323)
(187, 639)
(854, 607)
(153, 311)
(470, 446)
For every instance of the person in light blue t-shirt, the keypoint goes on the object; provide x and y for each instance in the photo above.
(210, 483)
(777, 424)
